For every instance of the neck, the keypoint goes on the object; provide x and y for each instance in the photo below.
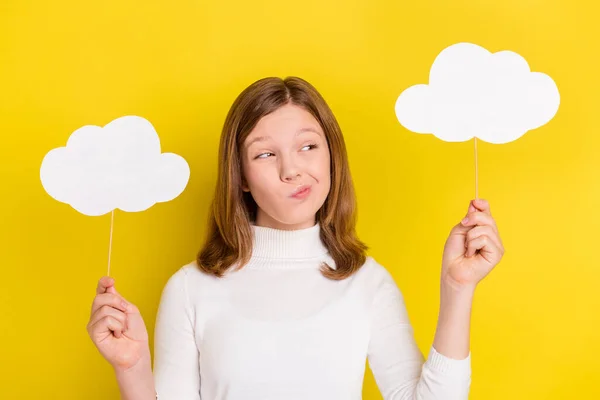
(264, 219)
(287, 243)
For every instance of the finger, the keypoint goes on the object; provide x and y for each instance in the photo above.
(476, 244)
(483, 230)
(104, 283)
(106, 325)
(109, 299)
(479, 218)
(486, 248)
(108, 311)
(482, 205)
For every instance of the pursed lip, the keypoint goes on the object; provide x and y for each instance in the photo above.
(300, 189)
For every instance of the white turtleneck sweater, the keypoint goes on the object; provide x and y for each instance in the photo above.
(279, 330)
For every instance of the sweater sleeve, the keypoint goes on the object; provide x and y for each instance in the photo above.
(176, 362)
(397, 363)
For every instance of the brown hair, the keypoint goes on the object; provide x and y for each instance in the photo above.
(229, 237)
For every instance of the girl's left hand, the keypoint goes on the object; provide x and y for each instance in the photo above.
(473, 248)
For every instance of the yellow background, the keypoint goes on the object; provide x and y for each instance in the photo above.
(180, 64)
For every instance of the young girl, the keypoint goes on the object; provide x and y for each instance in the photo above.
(282, 301)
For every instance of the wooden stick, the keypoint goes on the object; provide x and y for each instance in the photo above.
(112, 219)
(476, 173)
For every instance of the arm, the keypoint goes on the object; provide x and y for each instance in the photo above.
(398, 365)
(137, 383)
(176, 356)
(452, 336)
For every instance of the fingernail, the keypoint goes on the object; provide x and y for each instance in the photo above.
(124, 304)
(465, 220)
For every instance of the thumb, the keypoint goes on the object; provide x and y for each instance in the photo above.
(471, 207)
(113, 290)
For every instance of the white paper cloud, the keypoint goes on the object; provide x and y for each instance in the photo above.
(475, 93)
(119, 166)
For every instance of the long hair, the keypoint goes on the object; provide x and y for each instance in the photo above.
(229, 237)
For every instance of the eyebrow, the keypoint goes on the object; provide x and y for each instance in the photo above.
(263, 138)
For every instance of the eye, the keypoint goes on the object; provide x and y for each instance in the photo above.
(261, 155)
(312, 146)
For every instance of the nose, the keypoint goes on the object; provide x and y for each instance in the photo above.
(291, 174)
(292, 177)
(289, 170)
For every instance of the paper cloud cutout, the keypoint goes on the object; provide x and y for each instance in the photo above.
(119, 166)
(475, 93)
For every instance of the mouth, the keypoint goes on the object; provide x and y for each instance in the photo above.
(301, 191)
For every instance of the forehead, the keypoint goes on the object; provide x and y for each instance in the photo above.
(289, 120)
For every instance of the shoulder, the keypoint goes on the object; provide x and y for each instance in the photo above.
(179, 281)
(189, 272)
(179, 278)
(176, 284)
(376, 281)
(375, 273)
(191, 283)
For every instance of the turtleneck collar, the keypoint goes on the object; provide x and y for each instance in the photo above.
(287, 244)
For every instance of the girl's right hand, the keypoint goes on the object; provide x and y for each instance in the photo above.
(117, 328)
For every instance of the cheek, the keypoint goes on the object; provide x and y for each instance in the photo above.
(322, 173)
(253, 175)
(261, 184)
(324, 167)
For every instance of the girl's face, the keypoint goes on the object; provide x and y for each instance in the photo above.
(286, 151)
